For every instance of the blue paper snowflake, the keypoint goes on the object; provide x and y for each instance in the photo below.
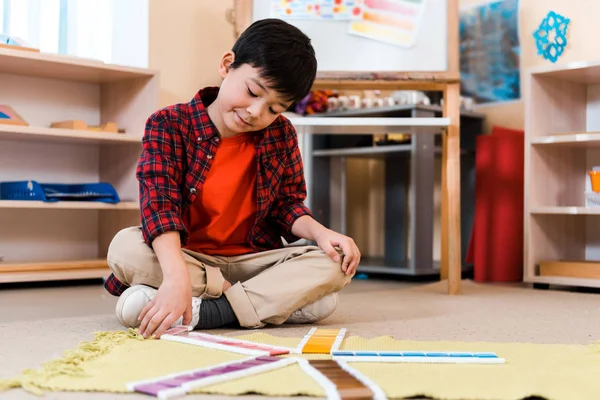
(551, 36)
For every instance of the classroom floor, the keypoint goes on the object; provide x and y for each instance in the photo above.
(38, 324)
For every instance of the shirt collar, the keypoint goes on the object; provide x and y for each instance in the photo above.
(203, 126)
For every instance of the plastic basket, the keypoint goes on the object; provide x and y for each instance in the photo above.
(50, 192)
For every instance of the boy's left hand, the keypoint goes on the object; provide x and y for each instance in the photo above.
(327, 239)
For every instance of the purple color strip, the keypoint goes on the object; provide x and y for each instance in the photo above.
(151, 388)
(203, 374)
(268, 358)
(177, 381)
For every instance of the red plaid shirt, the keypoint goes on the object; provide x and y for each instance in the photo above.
(177, 150)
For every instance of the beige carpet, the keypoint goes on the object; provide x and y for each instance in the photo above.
(369, 309)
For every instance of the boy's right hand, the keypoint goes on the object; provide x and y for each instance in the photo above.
(173, 299)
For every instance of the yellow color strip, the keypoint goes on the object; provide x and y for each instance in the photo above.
(380, 32)
(388, 20)
(321, 341)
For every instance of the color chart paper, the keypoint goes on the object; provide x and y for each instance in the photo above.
(390, 21)
(317, 9)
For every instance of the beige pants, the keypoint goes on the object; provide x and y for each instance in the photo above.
(268, 286)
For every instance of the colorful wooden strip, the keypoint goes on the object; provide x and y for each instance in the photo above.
(321, 341)
(227, 344)
(331, 392)
(378, 393)
(179, 384)
(346, 385)
(445, 357)
(388, 353)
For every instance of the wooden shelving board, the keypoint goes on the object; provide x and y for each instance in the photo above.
(574, 139)
(579, 269)
(362, 125)
(49, 271)
(577, 72)
(68, 205)
(55, 66)
(49, 135)
(566, 210)
(563, 281)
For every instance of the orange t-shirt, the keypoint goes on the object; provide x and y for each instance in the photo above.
(225, 209)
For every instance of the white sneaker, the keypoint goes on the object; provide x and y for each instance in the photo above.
(316, 311)
(133, 300)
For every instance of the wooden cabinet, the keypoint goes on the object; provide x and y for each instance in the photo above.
(562, 143)
(68, 239)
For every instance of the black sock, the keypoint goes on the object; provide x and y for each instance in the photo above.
(215, 313)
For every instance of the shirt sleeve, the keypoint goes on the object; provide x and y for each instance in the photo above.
(160, 177)
(289, 204)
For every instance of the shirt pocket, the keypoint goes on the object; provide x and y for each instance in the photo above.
(273, 174)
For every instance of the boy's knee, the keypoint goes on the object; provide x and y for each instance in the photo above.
(128, 255)
(336, 278)
(124, 243)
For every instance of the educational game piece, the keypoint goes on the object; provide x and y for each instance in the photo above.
(83, 126)
(9, 116)
(347, 386)
(178, 330)
(378, 393)
(178, 384)
(321, 341)
(434, 357)
(227, 344)
(340, 381)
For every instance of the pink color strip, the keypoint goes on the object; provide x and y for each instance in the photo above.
(387, 5)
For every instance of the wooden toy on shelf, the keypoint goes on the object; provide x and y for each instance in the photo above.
(83, 126)
(10, 117)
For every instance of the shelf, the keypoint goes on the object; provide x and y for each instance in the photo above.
(44, 88)
(375, 151)
(565, 210)
(391, 111)
(575, 139)
(52, 271)
(56, 135)
(363, 151)
(563, 281)
(62, 67)
(576, 72)
(68, 205)
(359, 125)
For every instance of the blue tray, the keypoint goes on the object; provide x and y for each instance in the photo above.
(51, 192)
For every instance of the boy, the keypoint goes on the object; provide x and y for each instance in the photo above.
(221, 182)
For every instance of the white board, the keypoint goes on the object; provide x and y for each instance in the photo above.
(338, 50)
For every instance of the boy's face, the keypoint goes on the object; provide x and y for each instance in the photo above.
(246, 103)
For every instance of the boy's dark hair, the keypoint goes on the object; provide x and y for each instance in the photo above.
(282, 53)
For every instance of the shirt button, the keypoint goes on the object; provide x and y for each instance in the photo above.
(199, 139)
(209, 156)
(216, 139)
(193, 190)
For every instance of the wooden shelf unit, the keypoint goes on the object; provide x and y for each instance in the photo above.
(562, 143)
(69, 205)
(56, 135)
(53, 271)
(69, 240)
